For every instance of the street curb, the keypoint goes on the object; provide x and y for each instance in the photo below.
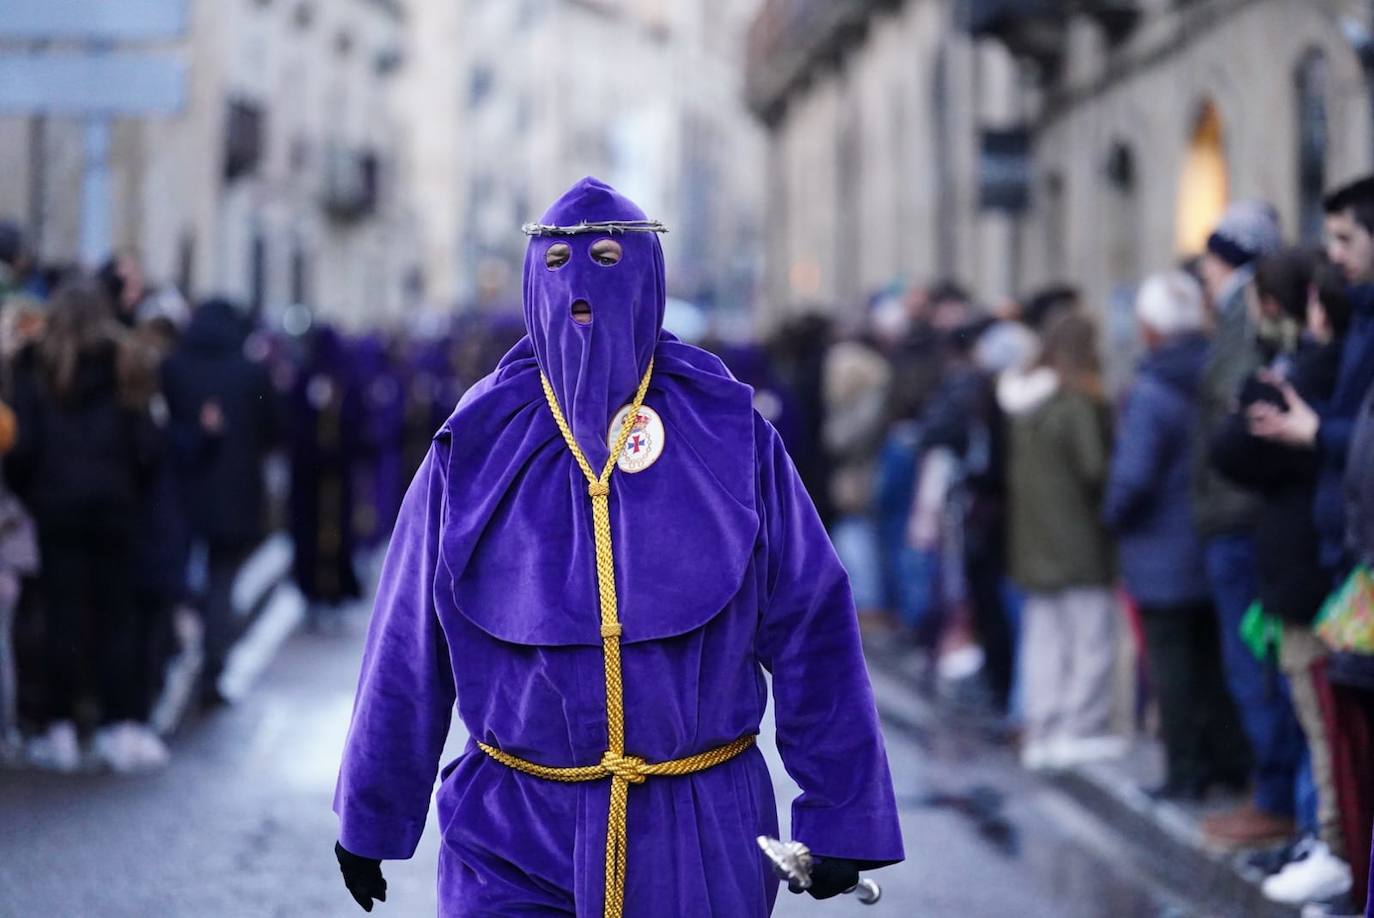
(1168, 840)
(1171, 842)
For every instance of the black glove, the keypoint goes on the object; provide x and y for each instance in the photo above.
(831, 876)
(362, 876)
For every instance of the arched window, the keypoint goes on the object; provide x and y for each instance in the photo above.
(1311, 83)
(1123, 215)
(1203, 186)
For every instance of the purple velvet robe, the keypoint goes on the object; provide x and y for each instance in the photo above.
(488, 599)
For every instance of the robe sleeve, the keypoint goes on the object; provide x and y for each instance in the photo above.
(405, 697)
(827, 726)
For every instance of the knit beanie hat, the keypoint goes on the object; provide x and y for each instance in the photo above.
(1246, 231)
(1171, 303)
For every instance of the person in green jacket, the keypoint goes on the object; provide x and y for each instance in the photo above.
(1061, 555)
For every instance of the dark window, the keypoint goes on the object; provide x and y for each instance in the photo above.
(258, 274)
(1312, 141)
(186, 265)
(245, 138)
(300, 276)
(480, 86)
(1124, 227)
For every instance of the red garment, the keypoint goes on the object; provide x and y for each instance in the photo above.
(1349, 716)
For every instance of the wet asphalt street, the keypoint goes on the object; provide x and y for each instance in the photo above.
(240, 824)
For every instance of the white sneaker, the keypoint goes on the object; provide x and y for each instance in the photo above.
(1076, 750)
(151, 751)
(1319, 875)
(58, 749)
(118, 747)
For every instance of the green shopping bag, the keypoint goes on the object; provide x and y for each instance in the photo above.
(1262, 633)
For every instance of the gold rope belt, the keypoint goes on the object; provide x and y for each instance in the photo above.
(623, 770)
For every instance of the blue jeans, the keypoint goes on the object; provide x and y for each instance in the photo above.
(1276, 740)
(1308, 822)
(856, 542)
(919, 581)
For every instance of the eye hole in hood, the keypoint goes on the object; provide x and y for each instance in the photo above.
(558, 255)
(606, 252)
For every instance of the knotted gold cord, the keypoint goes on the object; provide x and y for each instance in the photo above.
(623, 770)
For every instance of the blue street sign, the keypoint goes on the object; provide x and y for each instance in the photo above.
(67, 83)
(92, 20)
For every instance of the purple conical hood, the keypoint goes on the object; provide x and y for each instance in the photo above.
(594, 369)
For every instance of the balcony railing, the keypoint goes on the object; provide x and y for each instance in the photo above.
(1029, 28)
(1037, 28)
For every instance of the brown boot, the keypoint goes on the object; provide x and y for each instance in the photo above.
(1246, 827)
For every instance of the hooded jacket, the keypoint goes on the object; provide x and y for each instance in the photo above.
(1058, 467)
(221, 477)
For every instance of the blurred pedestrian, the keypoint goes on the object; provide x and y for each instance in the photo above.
(379, 475)
(1225, 515)
(325, 446)
(1148, 508)
(18, 559)
(1060, 552)
(222, 421)
(1290, 287)
(80, 464)
(799, 355)
(856, 392)
(963, 432)
(11, 253)
(126, 285)
(1328, 430)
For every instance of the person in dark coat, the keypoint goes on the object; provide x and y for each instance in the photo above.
(325, 446)
(963, 418)
(1292, 581)
(81, 464)
(1327, 429)
(1225, 516)
(222, 424)
(1148, 507)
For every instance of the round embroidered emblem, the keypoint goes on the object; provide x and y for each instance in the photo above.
(645, 443)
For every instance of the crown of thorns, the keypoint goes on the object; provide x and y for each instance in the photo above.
(606, 226)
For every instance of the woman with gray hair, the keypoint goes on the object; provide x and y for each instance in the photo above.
(1147, 506)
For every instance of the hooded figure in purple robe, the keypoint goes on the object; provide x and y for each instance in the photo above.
(489, 599)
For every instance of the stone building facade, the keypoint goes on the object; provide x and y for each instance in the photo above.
(281, 181)
(1011, 143)
(645, 94)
